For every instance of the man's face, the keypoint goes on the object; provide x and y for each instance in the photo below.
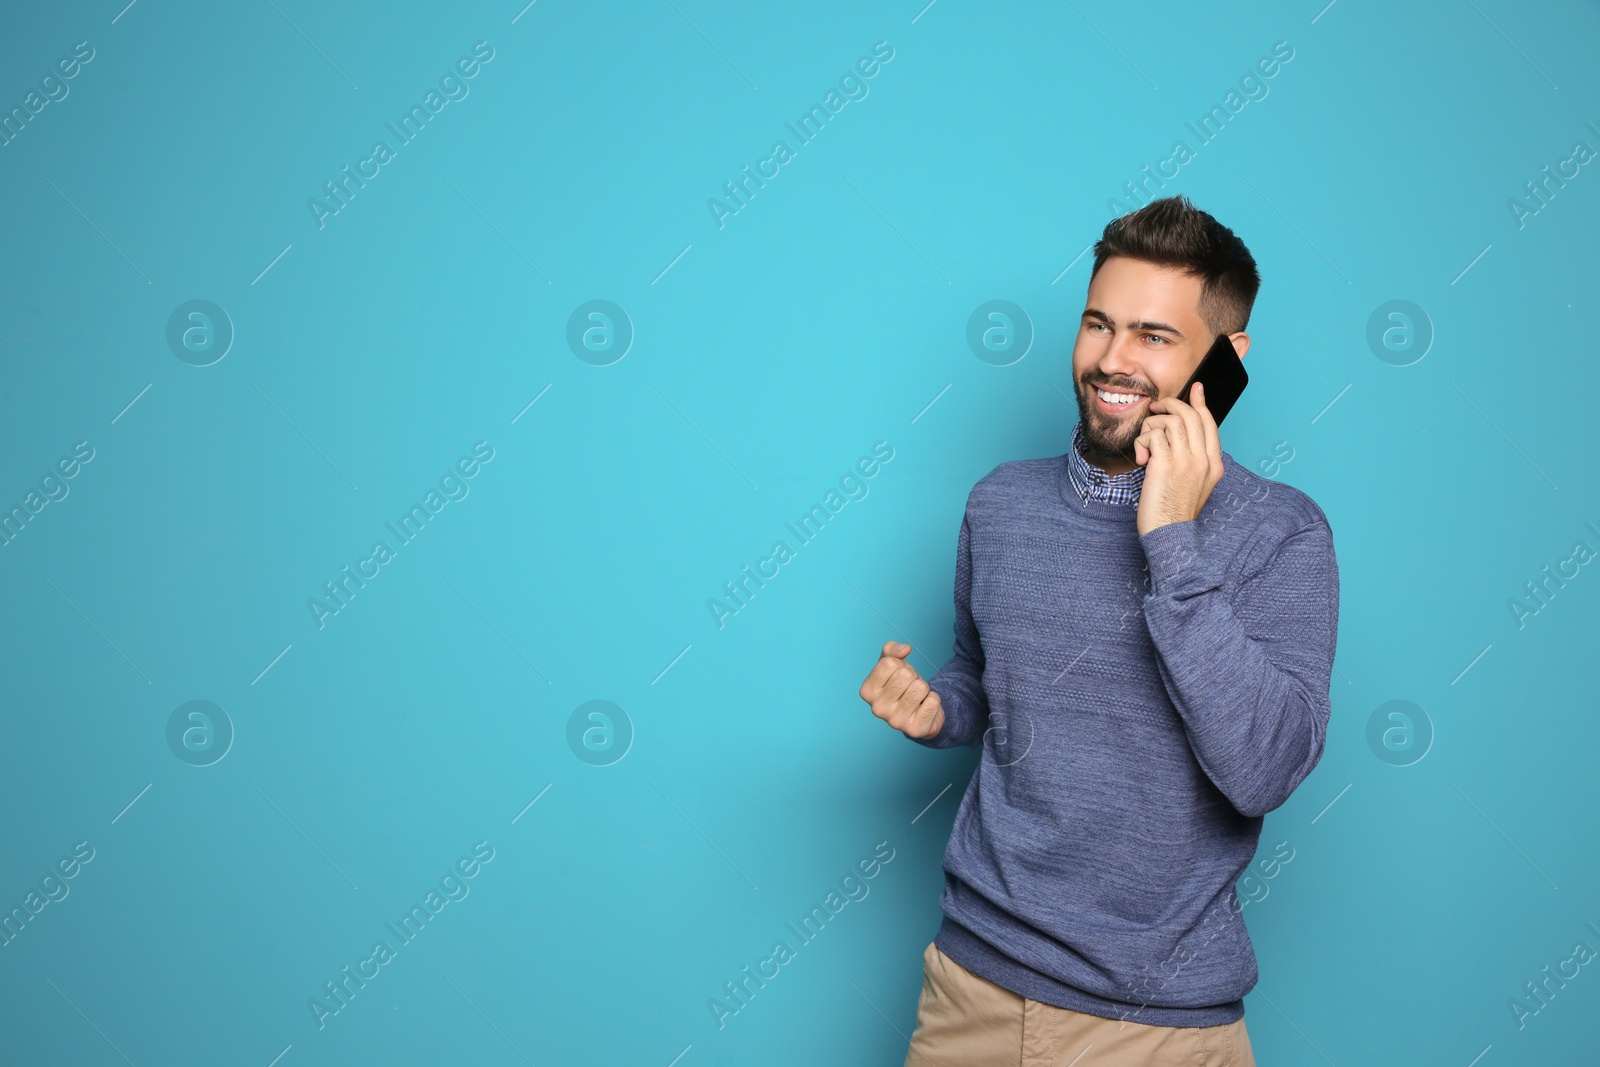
(1141, 334)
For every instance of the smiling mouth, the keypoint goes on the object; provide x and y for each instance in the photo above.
(1117, 402)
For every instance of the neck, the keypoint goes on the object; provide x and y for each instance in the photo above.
(1112, 464)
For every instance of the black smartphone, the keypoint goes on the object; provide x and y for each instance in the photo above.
(1222, 374)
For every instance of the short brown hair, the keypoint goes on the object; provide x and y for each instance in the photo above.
(1172, 232)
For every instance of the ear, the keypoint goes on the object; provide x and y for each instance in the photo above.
(1241, 342)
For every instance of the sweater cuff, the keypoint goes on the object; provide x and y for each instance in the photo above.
(953, 724)
(1179, 566)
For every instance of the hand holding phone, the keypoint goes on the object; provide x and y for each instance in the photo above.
(1222, 374)
(1179, 481)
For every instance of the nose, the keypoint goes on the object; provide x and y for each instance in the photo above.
(1119, 365)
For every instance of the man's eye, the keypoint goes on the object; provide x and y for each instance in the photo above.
(1157, 337)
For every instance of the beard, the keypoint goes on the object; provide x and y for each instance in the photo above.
(1107, 437)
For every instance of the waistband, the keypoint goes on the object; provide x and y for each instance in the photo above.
(982, 959)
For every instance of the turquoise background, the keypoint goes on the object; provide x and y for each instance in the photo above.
(767, 356)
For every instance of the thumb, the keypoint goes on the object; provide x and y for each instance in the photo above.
(897, 649)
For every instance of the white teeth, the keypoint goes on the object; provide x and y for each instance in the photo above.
(1118, 398)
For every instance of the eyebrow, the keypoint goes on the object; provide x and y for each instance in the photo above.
(1142, 324)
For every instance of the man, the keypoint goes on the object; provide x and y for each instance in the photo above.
(1143, 640)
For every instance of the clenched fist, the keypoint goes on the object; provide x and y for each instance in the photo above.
(900, 697)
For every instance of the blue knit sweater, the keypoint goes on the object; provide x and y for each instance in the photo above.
(1141, 702)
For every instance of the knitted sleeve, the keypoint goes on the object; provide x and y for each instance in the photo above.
(959, 682)
(1247, 669)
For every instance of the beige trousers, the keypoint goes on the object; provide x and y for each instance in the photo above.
(967, 1021)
